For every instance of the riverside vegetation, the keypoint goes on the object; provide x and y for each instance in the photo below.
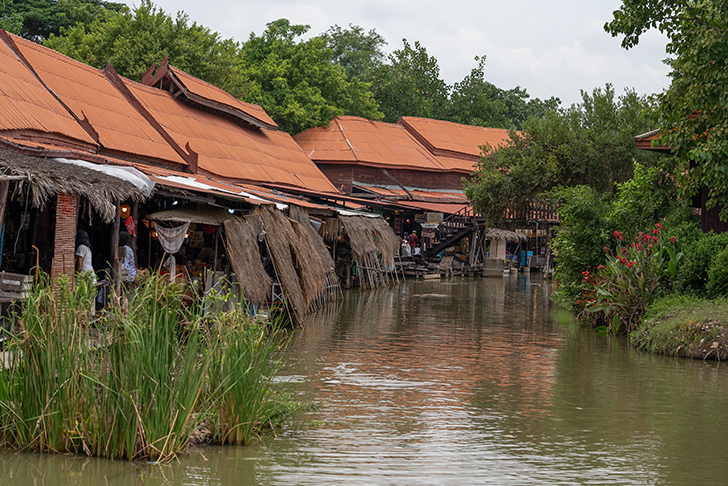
(639, 265)
(140, 381)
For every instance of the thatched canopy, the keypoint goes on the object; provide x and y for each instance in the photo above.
(241, 244)
(311, 249)
(278, 234)
(500, 234)
(192, 214)
(49, 177)
(369, 236)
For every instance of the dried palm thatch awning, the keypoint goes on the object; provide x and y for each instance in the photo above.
(301, 266)
(500, 234)
(49, 177)
(241, 243)
(192, 214)
(370, 236)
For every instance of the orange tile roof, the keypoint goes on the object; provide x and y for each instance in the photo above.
(211, 92)
(357, 140)
(120, 127)
(26, 104)
(456, 146)
(228, 150)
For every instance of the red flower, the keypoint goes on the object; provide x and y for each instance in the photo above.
(658, 226)
(673, 239)
(618, 235)
(655, 231)
(606, 250)
(600, 267)
(630, 264)
(647, 237)
(623, 260)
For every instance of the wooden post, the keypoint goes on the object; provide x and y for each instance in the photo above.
(217, 237)
(115, 244)
(135, 218)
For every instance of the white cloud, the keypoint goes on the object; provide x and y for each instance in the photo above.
(549, 48)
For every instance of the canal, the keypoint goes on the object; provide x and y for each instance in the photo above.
(460, 381)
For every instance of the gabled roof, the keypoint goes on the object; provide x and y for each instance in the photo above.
(53, 103)
(26, 105)
(644, 142)
(355, 140)
(204, 94)
(227, 150)
(456, 146)
(91, 97)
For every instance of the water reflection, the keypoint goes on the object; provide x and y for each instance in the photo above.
(464, 381)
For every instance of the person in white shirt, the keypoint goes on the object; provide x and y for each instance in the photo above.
(83, 255)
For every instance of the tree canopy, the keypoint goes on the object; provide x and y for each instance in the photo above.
(135, 39)
(38, 19)
(357, 51)
(297, 82)
(587, 144)
(693, 111)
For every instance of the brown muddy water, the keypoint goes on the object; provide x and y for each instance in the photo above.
(461, 381)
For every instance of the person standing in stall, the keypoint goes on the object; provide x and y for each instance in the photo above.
(128, 263)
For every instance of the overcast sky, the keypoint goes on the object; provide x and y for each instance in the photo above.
(551, 48)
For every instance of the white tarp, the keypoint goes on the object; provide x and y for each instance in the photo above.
(129, 174)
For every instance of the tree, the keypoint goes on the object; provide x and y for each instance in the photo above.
(410, 85)
(135, 39)
(475, 101)
(297, 83)
(693, 111)
(357, 51)
(588, 144)
(41, 18)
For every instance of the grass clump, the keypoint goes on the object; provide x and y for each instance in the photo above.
(685, 325)
(138, 383)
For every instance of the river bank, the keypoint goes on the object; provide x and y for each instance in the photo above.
(685, 326)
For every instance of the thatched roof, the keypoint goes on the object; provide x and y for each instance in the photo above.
(49, 177)
(241, 242)
(310, 248)
(500, 234)
(278, 235)
(192, 214)
(369, 236)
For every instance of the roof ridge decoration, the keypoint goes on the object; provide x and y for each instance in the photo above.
(341, 129)
(187, 154)
(165, 78)
(84, 122)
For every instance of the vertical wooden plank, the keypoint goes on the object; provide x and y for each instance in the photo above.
(115, 244)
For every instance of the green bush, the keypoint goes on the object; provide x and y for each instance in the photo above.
(718, 275)
(581, 238)
(697, 260)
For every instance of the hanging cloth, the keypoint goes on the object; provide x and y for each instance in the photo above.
(171, 239)
(130, 226)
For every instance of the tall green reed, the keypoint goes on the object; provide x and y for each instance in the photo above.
(135, 383)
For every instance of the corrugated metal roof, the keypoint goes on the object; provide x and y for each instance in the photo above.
(90, 95)
(206, 90)
(228, 150)
(26, 104)
(453, 143)
(352, 139)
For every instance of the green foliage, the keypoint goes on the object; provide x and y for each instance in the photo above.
(699, 257)
(718, 276)
(587, 144)
(138, 384)
(10, 19)
(410, 85)
(693, 111)
(621, 289)
(475, 101)
(134, 40)
(297, 83)
(682, 325)
(357, 51)
(39, 19)
(581, 238)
